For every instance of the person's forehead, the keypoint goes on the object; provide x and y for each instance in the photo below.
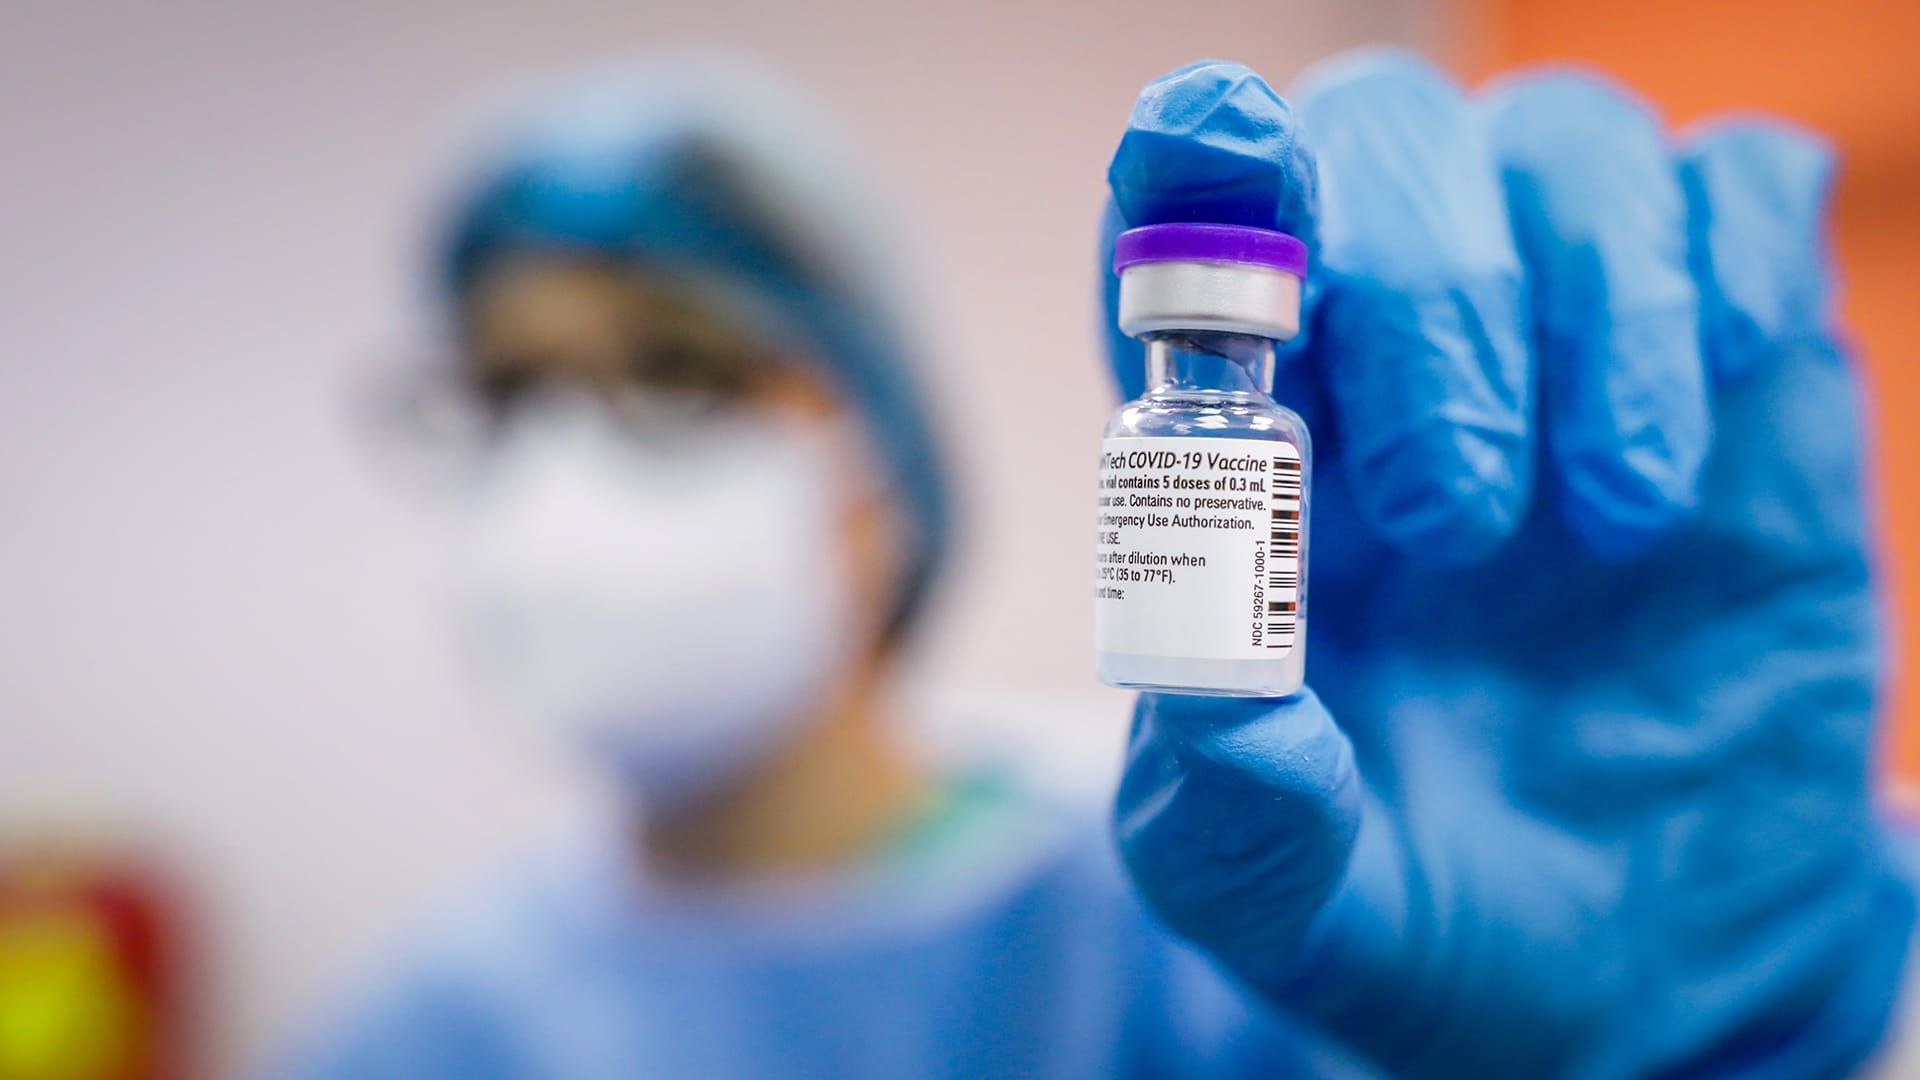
(586, 313)
(546, 289)
(603, 312)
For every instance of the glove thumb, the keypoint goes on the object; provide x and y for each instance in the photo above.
(1246, 827)
(1237, 816)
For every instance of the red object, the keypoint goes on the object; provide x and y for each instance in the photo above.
(92, 977)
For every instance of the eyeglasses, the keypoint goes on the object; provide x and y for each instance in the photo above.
(651, 351)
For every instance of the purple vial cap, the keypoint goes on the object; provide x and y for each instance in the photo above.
(1184, 241)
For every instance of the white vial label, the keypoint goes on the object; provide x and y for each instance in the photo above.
(1199, 548)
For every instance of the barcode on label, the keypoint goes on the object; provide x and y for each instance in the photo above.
(1283, 563)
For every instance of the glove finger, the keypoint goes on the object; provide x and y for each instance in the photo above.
(1245, 826)
(1417, 328)
(1757, 194)
(1210, 141)
(1791, 413)
(1602, 223)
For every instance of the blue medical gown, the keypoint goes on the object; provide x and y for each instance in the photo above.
(1020, 951)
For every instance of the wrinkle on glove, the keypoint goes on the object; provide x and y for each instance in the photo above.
(1420, 328)
(1596, 203)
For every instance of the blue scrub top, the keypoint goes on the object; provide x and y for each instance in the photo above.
(998, 938)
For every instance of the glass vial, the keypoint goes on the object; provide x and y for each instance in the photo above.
(1200, 578)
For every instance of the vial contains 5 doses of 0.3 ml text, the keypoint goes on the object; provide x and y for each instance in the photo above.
(1200, 580)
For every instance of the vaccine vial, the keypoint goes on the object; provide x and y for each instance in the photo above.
(1201, 581)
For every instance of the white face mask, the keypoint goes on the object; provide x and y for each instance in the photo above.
(680, 601)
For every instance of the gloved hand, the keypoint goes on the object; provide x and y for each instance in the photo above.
(1593, 617)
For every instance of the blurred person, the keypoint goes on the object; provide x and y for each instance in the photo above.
(698, 508)
(1595, 612)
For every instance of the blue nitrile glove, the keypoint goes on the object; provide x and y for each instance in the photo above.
(1592, 597)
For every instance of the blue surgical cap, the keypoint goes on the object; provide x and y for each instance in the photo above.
(705, 168)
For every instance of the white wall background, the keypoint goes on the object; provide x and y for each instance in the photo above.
(216, 632)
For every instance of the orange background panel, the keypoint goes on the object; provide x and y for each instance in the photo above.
(1848, 70)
